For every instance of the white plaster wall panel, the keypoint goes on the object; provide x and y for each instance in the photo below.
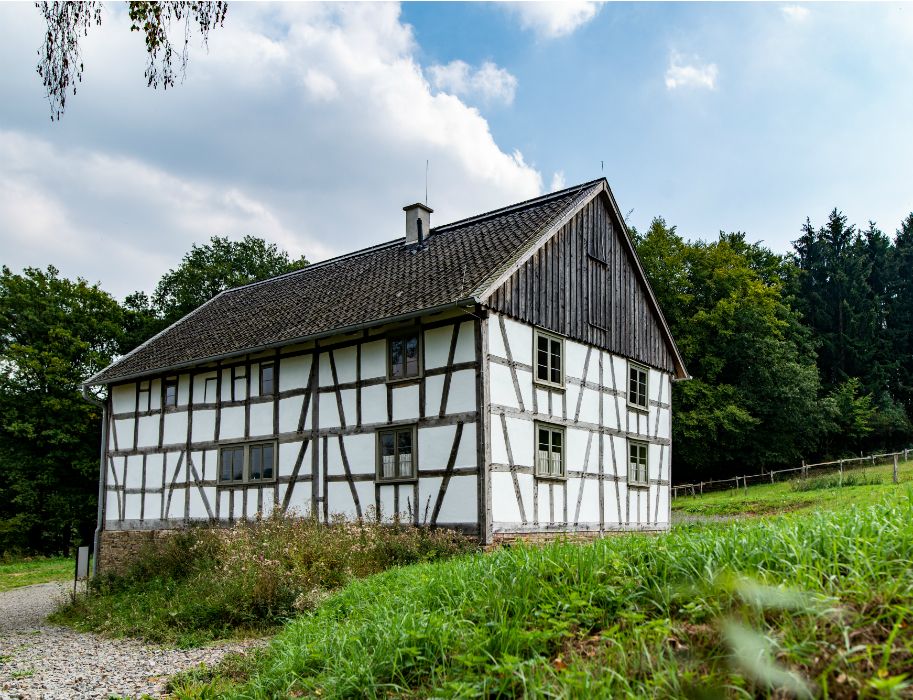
(434, 446)
(132, 505)
(541, 400)
(112, 506)
(293, 372)
(620, 372)
(466, 343)
(575, 358)
(613, 499)
(589, 502)
(526, 482)
(437, 346)
(496, 439)
(290, 413)
(434, 390)
(123, 398)
(124, 428)
(349, 406)
(152, 506)
(575, 452)
(558, 503)
(620, 457)
(428, 488)
(232, 423)
(612, 412)
(405, 402)
(176, 507)
(365, 491)
(388, 502)
(333, 457)
(495, 341)
(360, 451)
(261, 419)
(134, 476)
(254, 379)
(589, 407)
(329, 411)
(324, 374)
(183, 389)
(521, 436)
(197, 509)
(224, 503)
(268, 504)
(238, 510)
(657, 385)
(504, 506)
(345, 359)
(543, 501)
(288, 454)
(622, 517)
(155, 394)
(662, 516)
(211, 466)
(571, 393)
(374, 359)
(226, 385)
(461, 501)
(467, 453)
(653, 461)
(175, 428)
(520, 337)
(154, 470)
(204, 426)
(373, 404)
(199, 386)
(525, 381)
(501, 386)
(300, 502)
(252, 501)
(462, 397)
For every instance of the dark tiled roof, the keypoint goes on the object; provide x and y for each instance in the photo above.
(373, 284)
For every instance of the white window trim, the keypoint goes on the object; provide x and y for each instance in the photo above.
(553, 428)
(646, 371)
(537, 333)
(246, 480)
(634, 481)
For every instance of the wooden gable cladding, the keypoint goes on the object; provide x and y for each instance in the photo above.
(584, 283)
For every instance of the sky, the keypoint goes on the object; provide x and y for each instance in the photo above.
(310, 125)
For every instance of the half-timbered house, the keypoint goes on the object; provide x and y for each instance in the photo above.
(506, 375)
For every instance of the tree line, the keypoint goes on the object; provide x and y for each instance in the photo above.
(802, 355)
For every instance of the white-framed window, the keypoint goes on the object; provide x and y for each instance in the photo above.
(396, 454)
(549, 451)
(638, 463)
(404, 355)
(638, 381)
(549, 358)
(170, 392)
(247, 463)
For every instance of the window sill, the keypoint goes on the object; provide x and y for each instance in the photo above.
(638, 485)
(550, 477)
(638, 408)
(400, 480)
(405, 380)
(549, 386)
(231, 484)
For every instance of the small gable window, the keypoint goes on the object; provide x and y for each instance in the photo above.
(396, 454)
(267, 379)
(638, 474)
(549, 359)
(170, 389)
(637, 386)
(549, 451)
(403, 356)
(145, 396)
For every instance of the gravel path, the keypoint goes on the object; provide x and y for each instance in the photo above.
(39, 661)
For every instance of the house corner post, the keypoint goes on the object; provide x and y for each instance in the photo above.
(103, 453)
(484, 427)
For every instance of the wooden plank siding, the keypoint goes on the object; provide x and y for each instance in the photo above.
(584, 285)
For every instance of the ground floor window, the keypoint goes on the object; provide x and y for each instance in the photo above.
(549, 450)
(638, 473)
(396, 454)
(251, 463)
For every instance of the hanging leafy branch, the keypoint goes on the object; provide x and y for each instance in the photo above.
(60, 64)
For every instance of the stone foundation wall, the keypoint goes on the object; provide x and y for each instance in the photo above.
(117, 549)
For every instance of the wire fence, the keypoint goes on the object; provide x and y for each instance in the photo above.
(839, 465)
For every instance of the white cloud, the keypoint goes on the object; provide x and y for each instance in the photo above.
(550, 20)
(489, 83)
(680, 74)
(558, 181)
(795, 13)
(306, 124)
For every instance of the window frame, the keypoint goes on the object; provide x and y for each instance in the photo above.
(403, 334)
(645, 407)
(273, 380)
(379, 471)
(166, 382)
(538, 333)
(635, 482)
(245, 479)
(552, 428)
(141, 403)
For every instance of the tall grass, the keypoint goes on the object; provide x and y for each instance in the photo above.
(207, 583)
(797, 605)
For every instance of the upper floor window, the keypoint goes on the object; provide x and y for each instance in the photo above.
(396, 454)
(267, 379)
(170, 391)
(638, 473)
(637, 386)
(210, 389)
(403, 356)
(252, 463)
(549, 450)
(549, 359)
(145, 396)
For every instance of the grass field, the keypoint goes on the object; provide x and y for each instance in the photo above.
(860, 487)
(809, 604)
(29, 570)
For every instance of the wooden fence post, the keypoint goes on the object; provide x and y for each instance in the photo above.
(895, 469)
(771, 476)
(702, 488)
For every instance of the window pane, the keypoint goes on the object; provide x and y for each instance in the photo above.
(266, 380)
(556, 361)
(544, 439)
(268, 461)
(556, 441)
(542, 358)
(209, 390)
(411, 350)
(256, 457)
(225, 470)
(238, 472)
(396, 358)
(171, 394)
(387, 456)
(404, 449)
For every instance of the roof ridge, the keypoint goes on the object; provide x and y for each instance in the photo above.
(519, 205)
